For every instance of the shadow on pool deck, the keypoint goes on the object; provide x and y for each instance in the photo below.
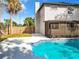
(16, 54)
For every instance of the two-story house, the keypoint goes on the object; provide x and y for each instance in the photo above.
(57, 19)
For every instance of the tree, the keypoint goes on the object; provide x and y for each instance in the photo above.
(29, 22)
(1, 25)
(7, 22)
(14, 23)
(13, 7)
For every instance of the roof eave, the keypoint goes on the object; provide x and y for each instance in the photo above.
(59, 4)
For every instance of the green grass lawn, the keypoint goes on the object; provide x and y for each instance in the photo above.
(14, 36)
(19, 35)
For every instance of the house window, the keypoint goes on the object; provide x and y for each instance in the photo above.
(72, 26)
(54, 26)
(70, 10)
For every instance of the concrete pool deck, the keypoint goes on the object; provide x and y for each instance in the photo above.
(20, 48)
(33, 39)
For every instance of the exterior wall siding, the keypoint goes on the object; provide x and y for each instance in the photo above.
(60, 13)
(63, 31)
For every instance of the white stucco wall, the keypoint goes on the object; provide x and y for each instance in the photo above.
(37, 20)
(37, 23)
(60, 13)
(75, 15)
(42, 27)
(40, 24)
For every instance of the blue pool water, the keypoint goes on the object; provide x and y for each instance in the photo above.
(56, 50)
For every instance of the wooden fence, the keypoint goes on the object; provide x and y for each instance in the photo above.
(19, 30)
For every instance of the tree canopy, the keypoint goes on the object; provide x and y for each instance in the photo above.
(28, 21)
(7, 22)
(1, 25)
(14, 6)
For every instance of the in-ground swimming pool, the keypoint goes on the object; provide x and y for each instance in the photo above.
(57, 50)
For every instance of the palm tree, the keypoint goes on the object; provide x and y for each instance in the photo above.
(1, 25)
(7, 24)
(29, 22)
(13, 7)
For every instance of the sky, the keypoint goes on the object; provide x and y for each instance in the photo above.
(28, 9)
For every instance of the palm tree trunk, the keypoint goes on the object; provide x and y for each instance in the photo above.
(10, 23)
